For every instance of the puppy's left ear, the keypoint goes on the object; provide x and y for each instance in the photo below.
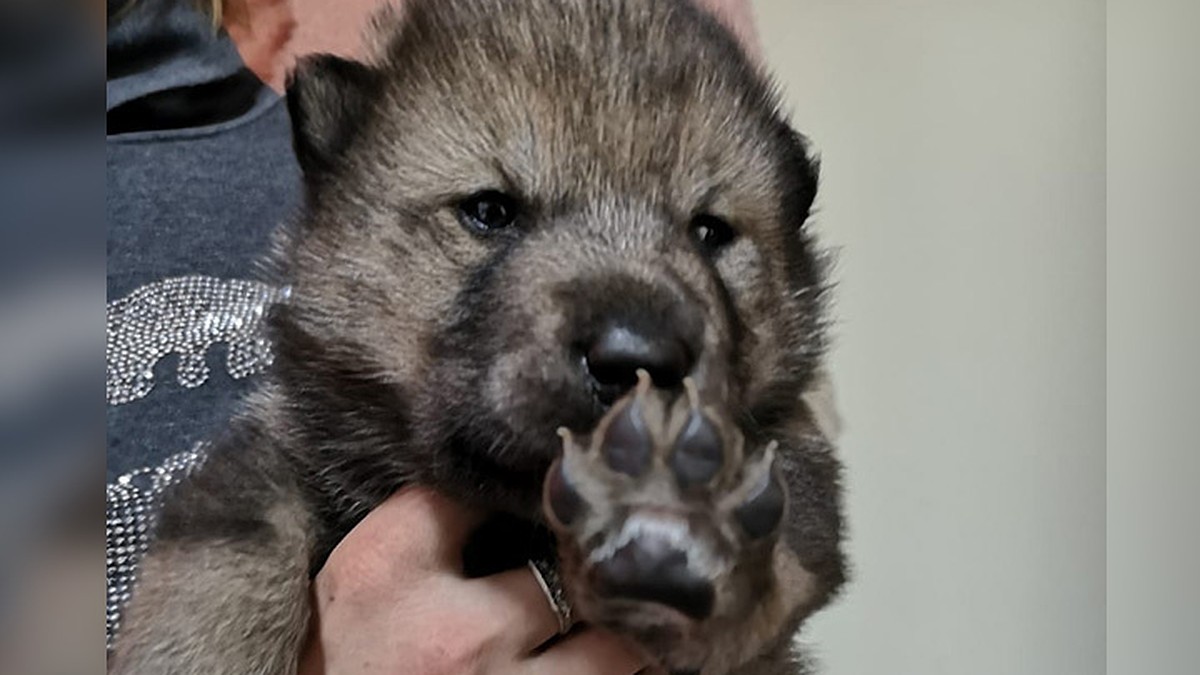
(328, 97)
(802, 170)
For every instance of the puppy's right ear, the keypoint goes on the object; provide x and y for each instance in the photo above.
(328, 97)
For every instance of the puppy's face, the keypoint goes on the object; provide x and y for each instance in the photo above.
(518, 205)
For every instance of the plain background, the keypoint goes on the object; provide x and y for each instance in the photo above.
(1153, 337)
(963, 182)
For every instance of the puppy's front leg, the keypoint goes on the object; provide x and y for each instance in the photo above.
(224, 586)
(808, 566)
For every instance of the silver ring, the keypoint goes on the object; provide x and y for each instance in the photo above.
(547, 578)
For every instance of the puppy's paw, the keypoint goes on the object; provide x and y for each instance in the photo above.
(667, 526)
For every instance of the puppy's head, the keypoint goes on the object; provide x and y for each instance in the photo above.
(516, 205)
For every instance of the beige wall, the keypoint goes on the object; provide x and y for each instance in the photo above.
(963, 146)
(1153, 334)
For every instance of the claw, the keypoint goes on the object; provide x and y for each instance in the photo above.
(769, 453)
(567, 437)
(644, 383)
(693, 393)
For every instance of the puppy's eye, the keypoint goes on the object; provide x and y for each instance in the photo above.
(488, 211)
(712, 233)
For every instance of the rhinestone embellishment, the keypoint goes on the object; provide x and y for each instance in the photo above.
(186, 316)
(131, 503)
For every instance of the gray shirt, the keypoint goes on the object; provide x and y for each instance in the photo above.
(200, 171)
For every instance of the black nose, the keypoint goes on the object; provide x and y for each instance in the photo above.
(614, 358)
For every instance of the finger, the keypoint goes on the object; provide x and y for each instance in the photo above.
(420, 526)
(592, 651)
(521, 610)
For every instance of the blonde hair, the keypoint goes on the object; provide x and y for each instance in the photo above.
(215, 9)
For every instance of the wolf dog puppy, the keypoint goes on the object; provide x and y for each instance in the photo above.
(553, 263)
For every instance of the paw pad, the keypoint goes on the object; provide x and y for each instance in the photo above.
(562, 498)
(628, 446)
(698, 453)
(653, 569)
(764, 503)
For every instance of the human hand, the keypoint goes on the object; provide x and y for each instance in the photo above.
(392, 599)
